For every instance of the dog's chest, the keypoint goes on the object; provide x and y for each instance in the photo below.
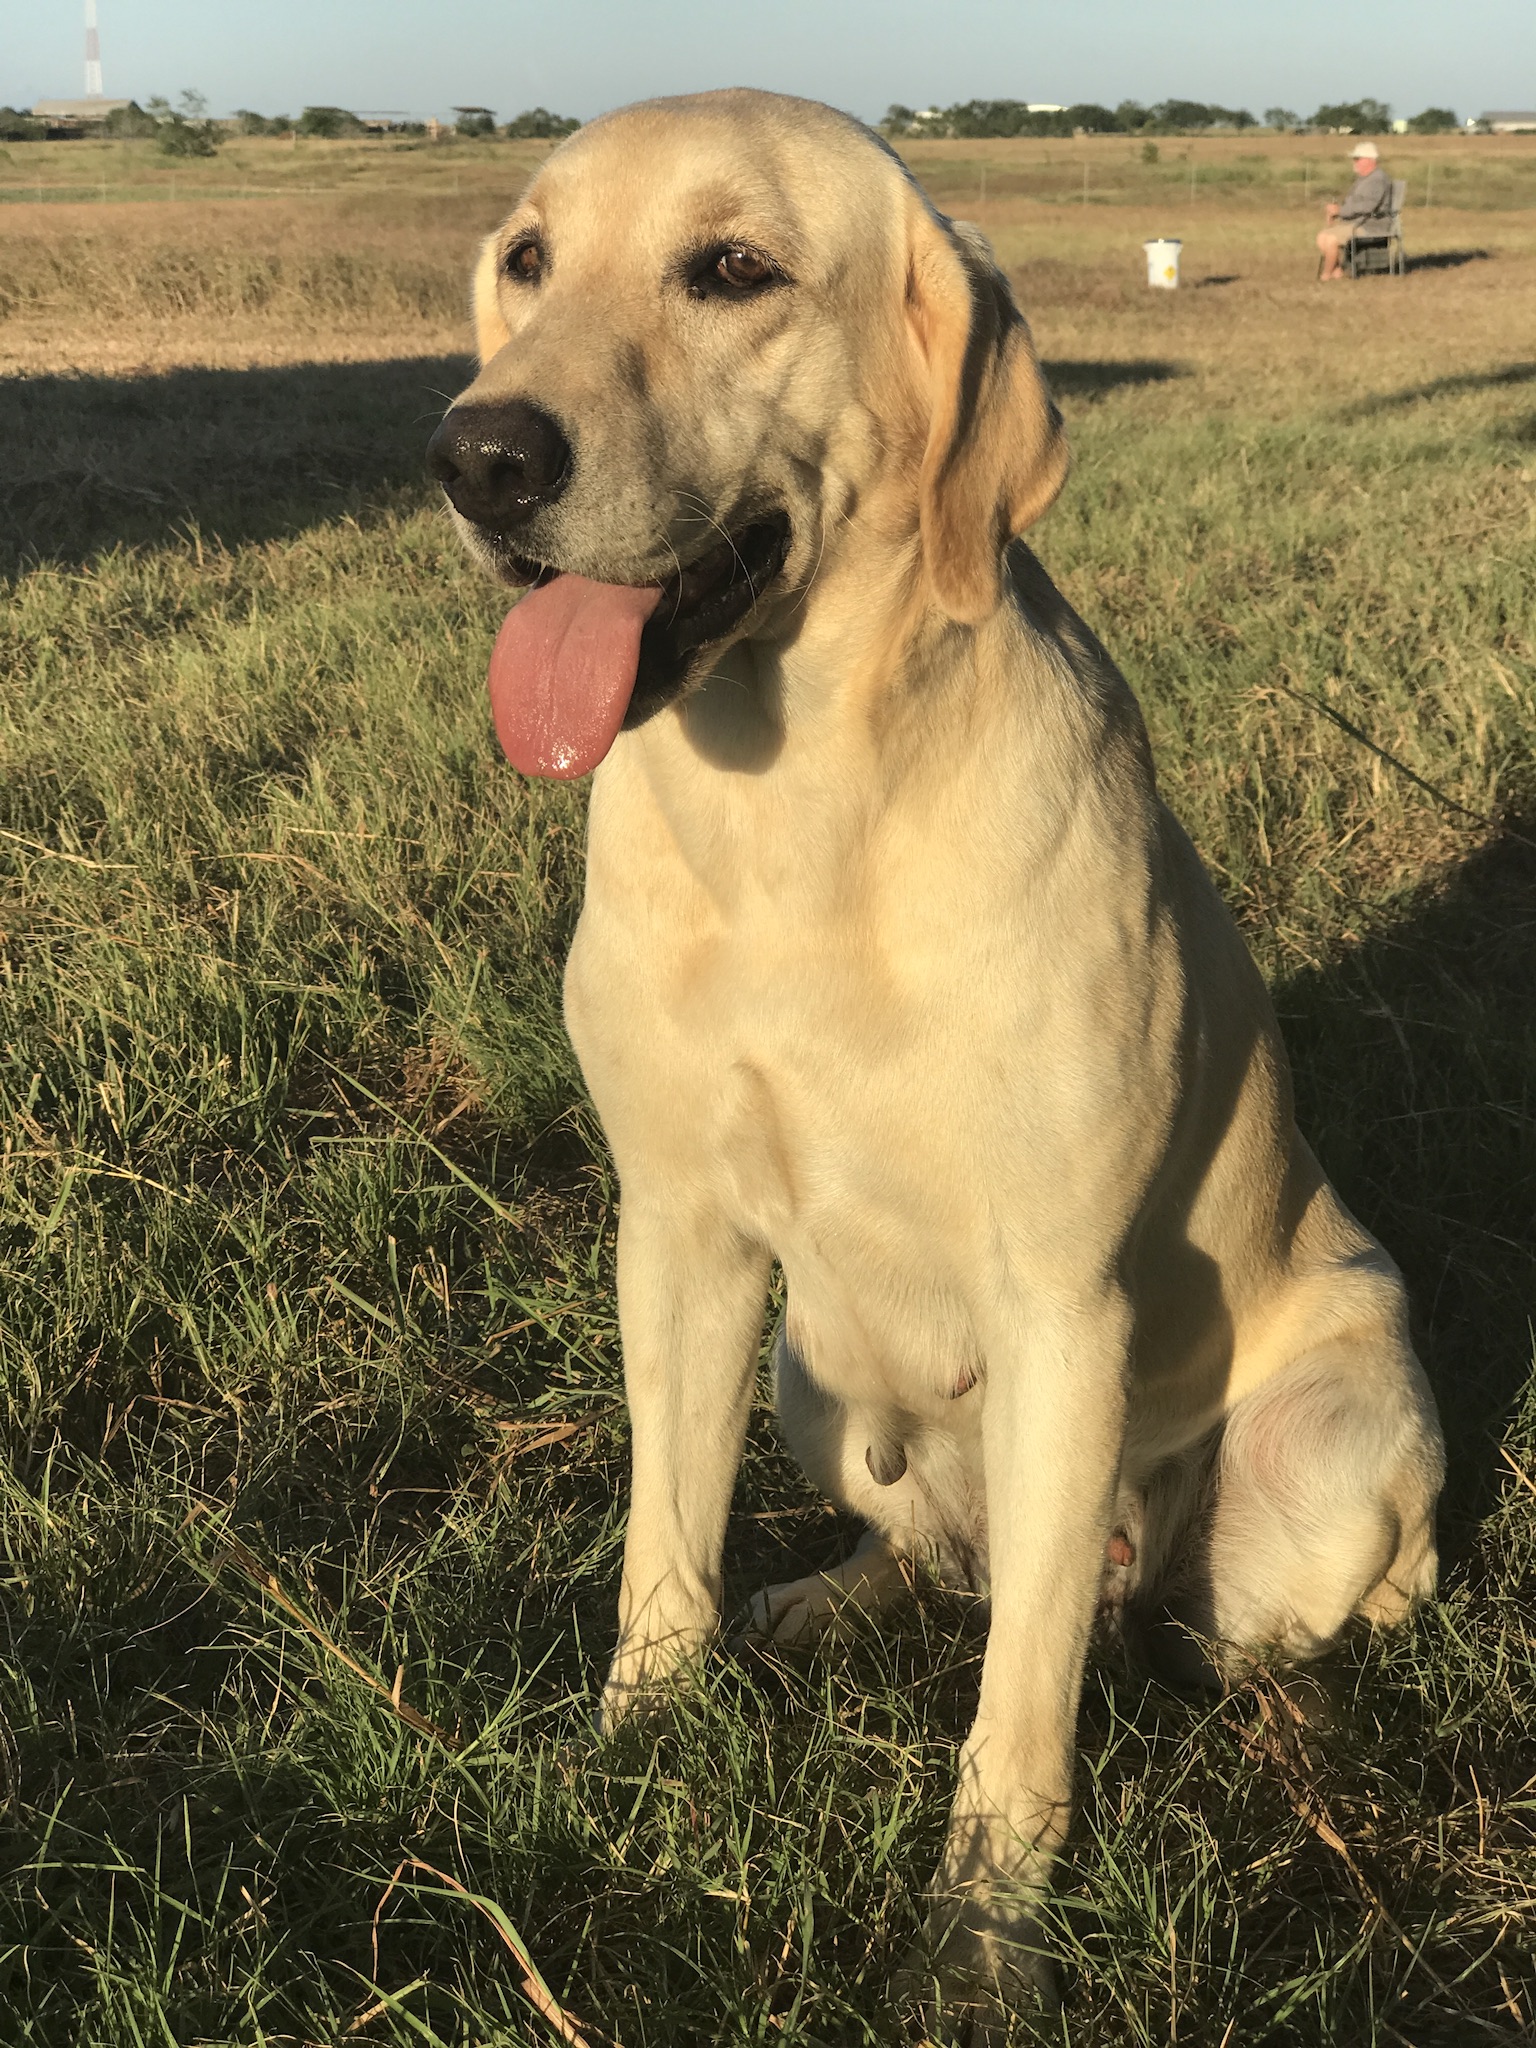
(883, 1053)
(790, 1087)
(857, 1197)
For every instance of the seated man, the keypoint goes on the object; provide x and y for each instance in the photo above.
(1365, 209)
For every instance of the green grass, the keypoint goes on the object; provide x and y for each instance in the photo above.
(306, 1257)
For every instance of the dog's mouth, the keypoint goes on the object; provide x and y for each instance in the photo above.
(577, 661)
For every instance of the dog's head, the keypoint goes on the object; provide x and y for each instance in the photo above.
(719, 336)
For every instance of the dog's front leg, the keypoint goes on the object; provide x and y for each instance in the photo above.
(691, 1299)
(1052, 1431)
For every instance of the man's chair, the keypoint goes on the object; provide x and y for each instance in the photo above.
(1381, 248)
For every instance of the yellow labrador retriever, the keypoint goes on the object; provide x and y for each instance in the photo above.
(893, 968)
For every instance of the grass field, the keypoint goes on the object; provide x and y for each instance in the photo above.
(314, 1453)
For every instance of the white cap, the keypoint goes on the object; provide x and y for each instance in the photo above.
(1365, 149)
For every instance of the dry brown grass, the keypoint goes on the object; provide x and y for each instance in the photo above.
(306, 1261)
(229, 284)
(1251, 319)
(361, 252)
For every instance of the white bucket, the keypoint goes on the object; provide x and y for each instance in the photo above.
(1163, 263)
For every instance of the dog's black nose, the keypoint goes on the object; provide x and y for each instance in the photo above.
(500, 463)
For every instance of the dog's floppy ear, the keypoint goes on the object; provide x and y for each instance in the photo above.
(996, 455)
(490, 329)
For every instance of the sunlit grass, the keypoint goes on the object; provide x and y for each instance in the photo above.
(314, 1445)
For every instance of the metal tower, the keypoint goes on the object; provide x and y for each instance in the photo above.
(92, 53)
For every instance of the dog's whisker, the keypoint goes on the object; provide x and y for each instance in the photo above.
(708, 518)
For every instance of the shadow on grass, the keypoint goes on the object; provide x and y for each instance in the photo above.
(1093, 379)
(245, 455)
(1448, 259)
(1444, 387)
(1415, 1063)
(93, 463)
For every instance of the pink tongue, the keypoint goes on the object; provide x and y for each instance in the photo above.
(562, 672)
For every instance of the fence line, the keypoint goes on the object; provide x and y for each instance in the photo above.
(99, 195)
(1046, 184)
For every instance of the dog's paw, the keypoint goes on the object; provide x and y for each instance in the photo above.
(830, 1603)
(978, 1979)
(626, 1710)
(800, 1612)
(644, 1701)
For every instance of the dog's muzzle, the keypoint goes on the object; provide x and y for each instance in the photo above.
(499, 464)
(579, 658)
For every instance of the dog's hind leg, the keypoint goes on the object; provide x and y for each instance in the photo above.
(827, 1603)
(1325, 1486)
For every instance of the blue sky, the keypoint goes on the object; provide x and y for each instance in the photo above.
(579, 56)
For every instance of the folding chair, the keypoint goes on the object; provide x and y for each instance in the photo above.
(1381, 248)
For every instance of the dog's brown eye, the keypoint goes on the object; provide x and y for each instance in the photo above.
(526, 262)
(744, 268)
(732, 270)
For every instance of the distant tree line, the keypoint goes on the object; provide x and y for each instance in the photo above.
(1013, 117)
(1360, 117)
(185, 130)
(536, 124)
(974, 118)
(334, 123)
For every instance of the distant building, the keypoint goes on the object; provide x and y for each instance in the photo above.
(1507, 124)
(1042, 107)
(93, 109)
(65, 118)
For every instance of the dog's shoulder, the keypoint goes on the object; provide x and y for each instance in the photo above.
(1052, 617)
